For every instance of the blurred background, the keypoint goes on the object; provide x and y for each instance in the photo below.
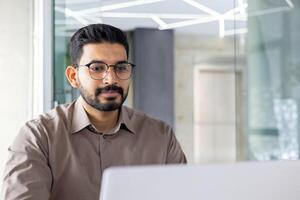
(224, 73)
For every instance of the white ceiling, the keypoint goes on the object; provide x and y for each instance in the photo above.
(209, 17)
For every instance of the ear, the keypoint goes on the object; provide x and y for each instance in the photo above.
(71, 74)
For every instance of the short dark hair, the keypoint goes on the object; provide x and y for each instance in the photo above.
(95, 33)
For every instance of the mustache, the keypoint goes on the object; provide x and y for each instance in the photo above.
(109, 88)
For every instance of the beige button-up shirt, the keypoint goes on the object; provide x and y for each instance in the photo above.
(60, 155)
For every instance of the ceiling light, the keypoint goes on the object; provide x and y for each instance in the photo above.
(119, 6)
(202, 7)
(189, 23)
(73, 14)
(149, 15)
(159, 21)
(221, 28)
(239, 9)
(290, 3)
(236, 18)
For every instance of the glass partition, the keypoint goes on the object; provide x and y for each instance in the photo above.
(236, 74)
(272, 124)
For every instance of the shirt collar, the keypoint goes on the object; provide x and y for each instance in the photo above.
(80, 119)
(125, 119)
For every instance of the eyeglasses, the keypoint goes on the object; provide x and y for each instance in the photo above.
(98, 70)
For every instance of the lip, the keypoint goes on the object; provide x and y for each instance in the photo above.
(109, 94)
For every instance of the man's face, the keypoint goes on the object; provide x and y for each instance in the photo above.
(109, 93)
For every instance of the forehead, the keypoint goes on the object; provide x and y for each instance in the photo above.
(107, 52)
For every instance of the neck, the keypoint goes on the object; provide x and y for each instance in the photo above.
(103, 121)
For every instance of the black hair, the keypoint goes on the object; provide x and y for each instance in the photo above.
(95, 33)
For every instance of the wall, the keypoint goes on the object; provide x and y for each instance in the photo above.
(211, 54)
(15, 70)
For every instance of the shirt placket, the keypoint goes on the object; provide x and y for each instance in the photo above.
(103, 146)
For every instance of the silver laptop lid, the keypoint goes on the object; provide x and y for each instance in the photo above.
(238, 181)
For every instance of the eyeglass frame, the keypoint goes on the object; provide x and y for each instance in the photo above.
(108, 66)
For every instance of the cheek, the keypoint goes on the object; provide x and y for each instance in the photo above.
(84, 76)
(88, 84)
(125, 86)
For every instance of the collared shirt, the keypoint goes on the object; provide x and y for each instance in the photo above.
(61, 156)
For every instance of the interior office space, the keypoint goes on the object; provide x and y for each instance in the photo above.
(225, 74)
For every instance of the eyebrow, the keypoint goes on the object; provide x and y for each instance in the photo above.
(100, 61)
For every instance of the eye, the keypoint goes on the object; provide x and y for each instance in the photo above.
(123, 67)
(98, 68)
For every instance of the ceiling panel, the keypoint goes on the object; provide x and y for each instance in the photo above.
(167, 6)
(194, 16)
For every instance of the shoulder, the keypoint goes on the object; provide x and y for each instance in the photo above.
(55, 119)
(144, 122)
(134, 114)
(37, 132)
(61, 112)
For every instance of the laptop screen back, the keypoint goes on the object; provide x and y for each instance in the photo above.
(238, 181)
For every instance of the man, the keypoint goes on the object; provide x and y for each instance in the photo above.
(61, 155)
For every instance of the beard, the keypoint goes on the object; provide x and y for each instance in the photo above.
(111, 103)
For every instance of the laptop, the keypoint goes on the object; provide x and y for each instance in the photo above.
(274, 180)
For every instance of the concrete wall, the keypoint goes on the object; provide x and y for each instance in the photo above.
(16, 17)
(154, 79)
(209, 54)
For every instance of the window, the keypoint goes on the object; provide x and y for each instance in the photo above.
(236, 70)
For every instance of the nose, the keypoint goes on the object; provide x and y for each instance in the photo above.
(110, 77)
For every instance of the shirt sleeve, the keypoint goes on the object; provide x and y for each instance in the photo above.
(27, 174)
(175, 154)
